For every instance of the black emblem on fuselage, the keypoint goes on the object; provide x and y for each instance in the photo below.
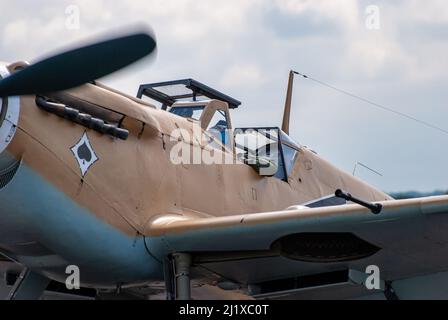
(84, 154)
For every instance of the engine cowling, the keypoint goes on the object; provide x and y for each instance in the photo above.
(9, 115)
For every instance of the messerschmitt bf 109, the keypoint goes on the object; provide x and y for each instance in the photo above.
(91, 177)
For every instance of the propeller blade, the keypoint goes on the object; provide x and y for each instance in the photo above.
(79, 66)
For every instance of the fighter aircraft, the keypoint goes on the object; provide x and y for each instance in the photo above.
(137, 196)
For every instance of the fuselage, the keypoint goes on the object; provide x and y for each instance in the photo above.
(53, 214)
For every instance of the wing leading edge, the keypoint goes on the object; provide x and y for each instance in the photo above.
(407, 239)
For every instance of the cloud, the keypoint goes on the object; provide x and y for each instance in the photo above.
(245, 75)
(246, 48)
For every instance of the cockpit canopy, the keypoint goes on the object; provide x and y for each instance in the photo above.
(269, 150)
(170, 92)
(196, 101)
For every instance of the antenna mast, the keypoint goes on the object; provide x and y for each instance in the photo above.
(287, 111)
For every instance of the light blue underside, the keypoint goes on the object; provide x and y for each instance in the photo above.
(33, 209)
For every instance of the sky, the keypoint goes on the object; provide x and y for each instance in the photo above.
(394, 53)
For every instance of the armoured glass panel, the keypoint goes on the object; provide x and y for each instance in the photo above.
(193, 112)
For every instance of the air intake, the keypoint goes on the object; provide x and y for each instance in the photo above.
(323, 247)
(8, 173)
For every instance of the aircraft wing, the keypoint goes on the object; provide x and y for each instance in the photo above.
(408, 238)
